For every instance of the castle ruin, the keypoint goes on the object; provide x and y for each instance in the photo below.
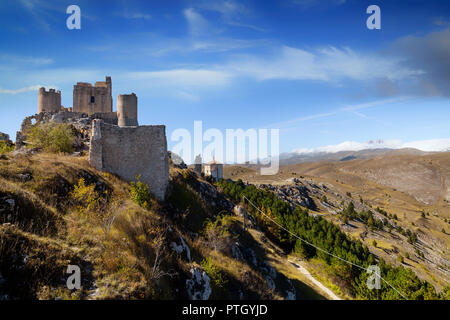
(49, 101)
(117, 143)
(93, 99)
(132, 151)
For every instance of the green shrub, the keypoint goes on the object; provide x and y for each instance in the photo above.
(5, 148)
(217, 277)
(86, 196)
(218, 234)
(140, 193)
(52, 137)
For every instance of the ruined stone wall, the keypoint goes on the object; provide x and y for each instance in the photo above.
(132, 151)
(93, 99)
(68, 116)
(108, 117)
(49, 101)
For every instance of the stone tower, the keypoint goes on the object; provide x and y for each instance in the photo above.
(127, 110)
(49, 101)
(93, 99)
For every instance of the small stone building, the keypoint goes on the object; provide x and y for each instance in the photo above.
(213, 169)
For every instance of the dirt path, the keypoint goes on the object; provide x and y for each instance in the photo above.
(282, 264)
(305, 272)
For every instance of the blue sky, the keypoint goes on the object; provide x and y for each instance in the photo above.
(310, 68)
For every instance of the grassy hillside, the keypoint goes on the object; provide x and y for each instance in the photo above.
(401, 186)
(56, 210)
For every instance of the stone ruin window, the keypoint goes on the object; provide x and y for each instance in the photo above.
(92, 99)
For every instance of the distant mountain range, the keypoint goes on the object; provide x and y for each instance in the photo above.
(350, 150)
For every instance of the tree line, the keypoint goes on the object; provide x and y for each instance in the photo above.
(327, 236)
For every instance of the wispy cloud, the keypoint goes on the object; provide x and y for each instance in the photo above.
(366, 105)
(183, 77)
(196, 23)
(326, 64)
(295, 121)
(305, 4)
(24, 60)
(34, 8)
(16, 91)
(183, 95)
(232, 13)
(136, 15)
(348, 108)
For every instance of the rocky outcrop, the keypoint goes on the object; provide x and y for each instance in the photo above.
(4, 138)
(180, 248)
(294, 194)
(198, 287)
(210, 195)
(176, 160)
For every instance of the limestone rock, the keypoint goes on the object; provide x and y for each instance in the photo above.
(182, 247)
(198, 287)
(177, 160)
(236, 251)
(270, 283)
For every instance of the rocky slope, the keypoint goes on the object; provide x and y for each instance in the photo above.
(410, 192)
(57, 211)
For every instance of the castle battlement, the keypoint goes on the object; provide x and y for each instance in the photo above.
(49, 101)
(93, 99)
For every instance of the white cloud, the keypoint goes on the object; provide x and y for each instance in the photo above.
(24, 60)
(436, 145)
(183, 77)
(226, 8)
(15, 91)
(347, 108)
(188, 96)
(429, 145)
(231, 13)
(326, 64)
(197, 24)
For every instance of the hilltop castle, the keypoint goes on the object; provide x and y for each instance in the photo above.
(95, 101)
(117, 143)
